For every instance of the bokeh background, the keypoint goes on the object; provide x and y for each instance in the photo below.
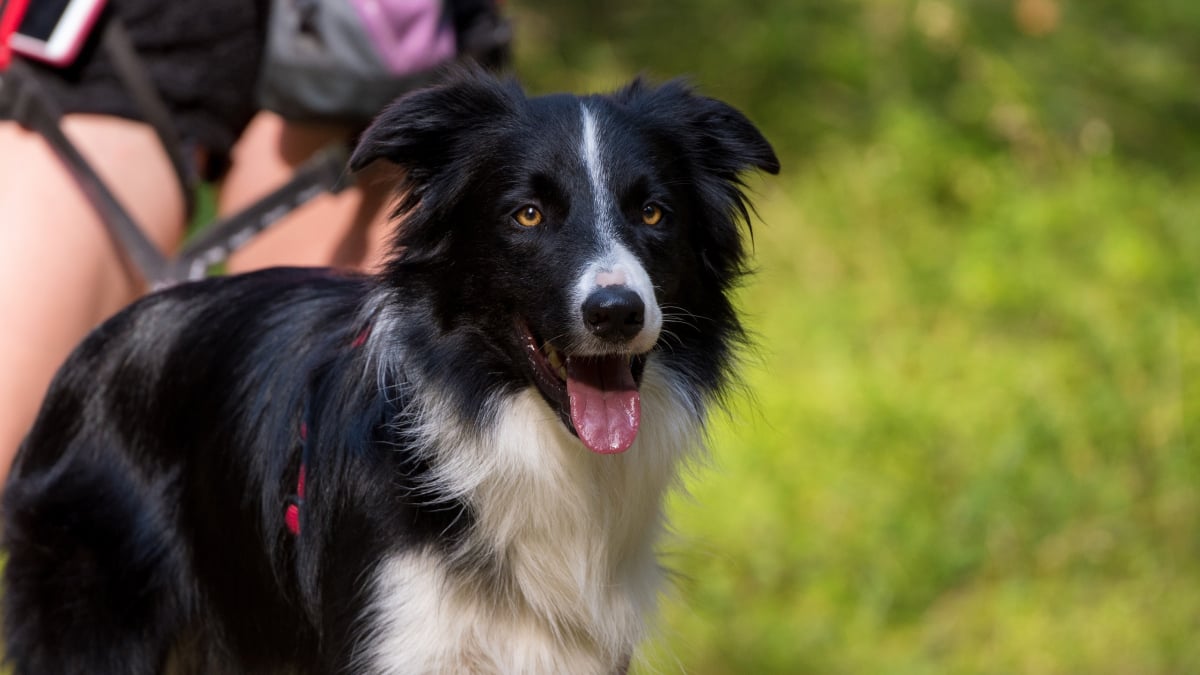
(971, 440)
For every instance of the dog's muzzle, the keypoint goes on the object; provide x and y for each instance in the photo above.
(614, 313)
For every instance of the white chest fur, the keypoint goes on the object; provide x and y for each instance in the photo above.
(569, 536)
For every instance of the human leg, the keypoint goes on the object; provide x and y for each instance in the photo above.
(344, 230)
(60, 272)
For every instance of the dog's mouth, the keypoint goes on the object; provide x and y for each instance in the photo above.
(596, 397)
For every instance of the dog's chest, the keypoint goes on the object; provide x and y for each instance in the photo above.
(427, 621)
(567, 539)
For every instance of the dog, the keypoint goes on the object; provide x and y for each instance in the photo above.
(455, 465)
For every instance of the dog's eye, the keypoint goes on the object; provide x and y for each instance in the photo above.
(528, 216)
(652, 214)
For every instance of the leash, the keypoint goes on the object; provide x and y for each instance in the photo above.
(28, 104)
(24, 100)
(136, 78)
(324, 172)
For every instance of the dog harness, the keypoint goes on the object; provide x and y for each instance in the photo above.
(291, 514)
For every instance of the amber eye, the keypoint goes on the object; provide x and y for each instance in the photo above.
(652, 214)
(528, 216)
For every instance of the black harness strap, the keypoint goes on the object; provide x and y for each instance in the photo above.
(140, 86)
(23, 99)
(32, 107)
(324, 172)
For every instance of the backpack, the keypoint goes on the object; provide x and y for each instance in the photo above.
(342, 61)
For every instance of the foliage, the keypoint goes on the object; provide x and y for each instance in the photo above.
(1003, 73)
(970, 445)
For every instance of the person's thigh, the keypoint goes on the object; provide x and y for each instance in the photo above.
(60, 272)
(344, 230)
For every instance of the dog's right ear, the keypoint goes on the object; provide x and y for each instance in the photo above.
(431, 130)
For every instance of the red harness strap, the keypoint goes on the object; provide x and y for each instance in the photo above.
(291, 516)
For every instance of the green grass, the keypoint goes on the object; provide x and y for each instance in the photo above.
(970, 445)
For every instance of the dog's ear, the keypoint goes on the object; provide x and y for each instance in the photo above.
(722, 140)
(735, 137)
(716, 144)
(431, 129)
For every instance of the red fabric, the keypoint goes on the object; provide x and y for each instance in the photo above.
(14, 10)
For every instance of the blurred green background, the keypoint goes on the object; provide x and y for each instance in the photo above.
(970, 442)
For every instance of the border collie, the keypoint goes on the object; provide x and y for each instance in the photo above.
(457, 465)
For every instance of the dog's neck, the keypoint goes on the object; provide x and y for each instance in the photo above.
(564, 534)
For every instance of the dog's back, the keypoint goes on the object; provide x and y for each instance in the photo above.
(456, 465)
(137, 445)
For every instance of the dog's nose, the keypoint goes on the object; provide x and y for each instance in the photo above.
(614, 313)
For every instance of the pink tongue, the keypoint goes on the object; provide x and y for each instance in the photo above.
(605, 406)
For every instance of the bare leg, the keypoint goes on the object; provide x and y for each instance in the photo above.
(60, 273)
(345, 230)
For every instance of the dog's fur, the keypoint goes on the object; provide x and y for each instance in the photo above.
(453, 521)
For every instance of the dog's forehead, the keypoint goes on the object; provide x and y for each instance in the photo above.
(563, 117)
(586, 135)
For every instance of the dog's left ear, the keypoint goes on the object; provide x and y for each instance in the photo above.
(723, 140)
(742, 142)
(428, 131)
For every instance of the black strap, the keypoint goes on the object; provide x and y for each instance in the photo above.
(324, 172)
(31, 106)
(140, 86)
(24, 100)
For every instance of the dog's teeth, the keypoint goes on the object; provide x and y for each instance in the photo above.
(553, 357)
(562, 371)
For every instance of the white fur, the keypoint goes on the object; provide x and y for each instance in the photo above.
(615, 260)
(593, 160)
(618, 262)
(571, 534)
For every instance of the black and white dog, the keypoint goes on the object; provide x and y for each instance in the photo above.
(455, 466)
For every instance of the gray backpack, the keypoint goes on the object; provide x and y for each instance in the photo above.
(344, 60)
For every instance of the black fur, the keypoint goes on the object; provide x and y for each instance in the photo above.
(144, 520)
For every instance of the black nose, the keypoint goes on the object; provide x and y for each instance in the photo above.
(614, 313)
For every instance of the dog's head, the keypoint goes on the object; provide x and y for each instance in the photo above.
(577, 236)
